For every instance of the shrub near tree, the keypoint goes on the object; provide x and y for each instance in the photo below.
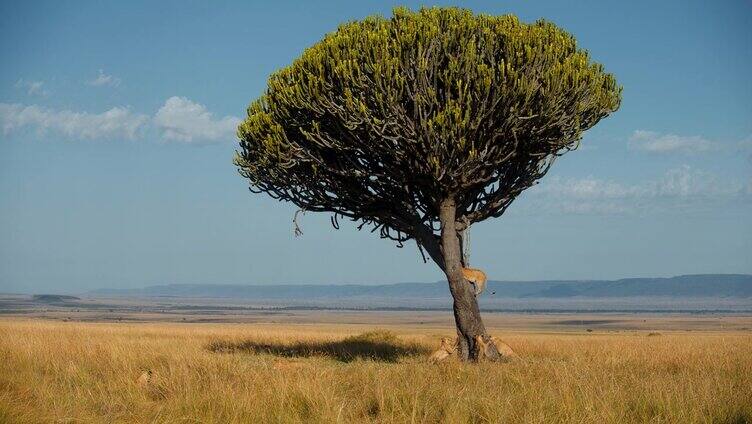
(420, 125)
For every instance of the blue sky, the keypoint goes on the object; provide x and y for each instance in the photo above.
(117, 134)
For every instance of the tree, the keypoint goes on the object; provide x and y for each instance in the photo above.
(420, 125)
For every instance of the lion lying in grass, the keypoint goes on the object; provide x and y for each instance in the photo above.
(449, 347)
(145, 379)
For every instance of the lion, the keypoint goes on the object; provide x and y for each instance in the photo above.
(483, 348)
(504, 349)
(476, 277)
(448, 346)
(145, 379)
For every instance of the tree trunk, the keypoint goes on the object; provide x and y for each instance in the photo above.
(466, 311)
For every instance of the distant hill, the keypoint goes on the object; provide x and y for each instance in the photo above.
(684, 286)
(53, 298)
(705, 285)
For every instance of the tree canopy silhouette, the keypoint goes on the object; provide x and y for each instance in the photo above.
(419, 125)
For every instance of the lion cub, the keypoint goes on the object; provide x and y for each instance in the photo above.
(447, 348)
(145, 379)
(476, 277)
(483, 348)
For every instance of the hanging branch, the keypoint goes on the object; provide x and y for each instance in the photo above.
(297, 230)
(465, 240)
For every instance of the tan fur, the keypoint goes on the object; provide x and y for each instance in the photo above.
(447, 348)
(504, 348)
(439, 355)
(145, 378)
(476, 277)
(483, 348)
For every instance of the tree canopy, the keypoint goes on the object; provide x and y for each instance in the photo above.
(385, 118)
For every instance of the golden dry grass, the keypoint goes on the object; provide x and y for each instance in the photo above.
(74, 372)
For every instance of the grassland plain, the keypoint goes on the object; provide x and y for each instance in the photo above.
(75, 372)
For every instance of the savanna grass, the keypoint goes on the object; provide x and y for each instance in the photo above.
(217, 373)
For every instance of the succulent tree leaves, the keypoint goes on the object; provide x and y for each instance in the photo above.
(384, 118)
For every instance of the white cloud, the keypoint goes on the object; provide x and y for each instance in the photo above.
(114, 123)
(104, 80)
(184, 120)
(586, 188)
(178, 119)
(678, 188)
(685, 182)
(654, 142)
(32, 88)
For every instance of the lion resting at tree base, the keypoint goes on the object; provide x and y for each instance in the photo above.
(482, 349)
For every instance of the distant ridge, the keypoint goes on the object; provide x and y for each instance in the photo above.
(53, 298)
(738, 286)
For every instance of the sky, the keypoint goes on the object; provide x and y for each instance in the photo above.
(117, 123)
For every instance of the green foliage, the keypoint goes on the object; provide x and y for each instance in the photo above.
(384, 118)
